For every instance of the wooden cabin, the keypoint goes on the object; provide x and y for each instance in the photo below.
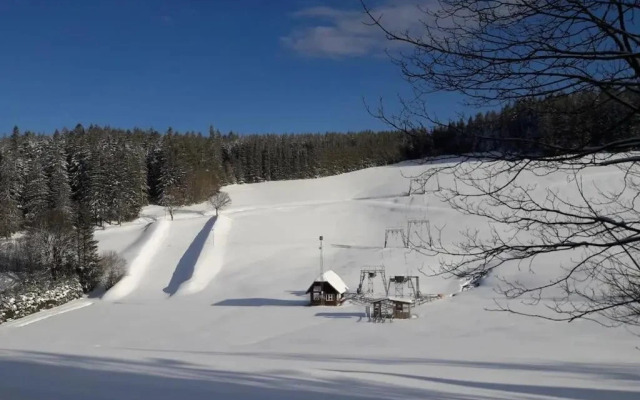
(328, 289)
(391, 308)
(401, 307)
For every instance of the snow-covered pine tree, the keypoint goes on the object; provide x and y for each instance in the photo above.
(214, 151)
(127, 176)
(57, 233)
(102, 184)
(10, 215)
(79, 172)
(59, 189)
(171, 175)
(86, 263)
(137, 189)
(35, 190)
(155, 161)
(86, 252)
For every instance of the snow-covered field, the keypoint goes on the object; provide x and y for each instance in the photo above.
(215, 309)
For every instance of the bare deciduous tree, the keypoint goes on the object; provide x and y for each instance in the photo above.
(172, 198)
(219, 200)
(112, 268)
(495, 52)
(502, 50)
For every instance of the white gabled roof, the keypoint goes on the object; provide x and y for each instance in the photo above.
(334, 280)
(394, 298)
(400, 299)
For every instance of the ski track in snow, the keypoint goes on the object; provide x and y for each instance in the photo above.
(154, 238)
(210, 259)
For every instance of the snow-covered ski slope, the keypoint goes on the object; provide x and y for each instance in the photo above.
(215, 309)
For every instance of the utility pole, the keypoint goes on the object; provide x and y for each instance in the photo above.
(321, 272)
(321, 258)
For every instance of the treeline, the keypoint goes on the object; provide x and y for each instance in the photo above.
(113, 173)
(259, 158)
(541, 126)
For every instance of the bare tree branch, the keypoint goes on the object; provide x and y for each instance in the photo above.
(498, 52)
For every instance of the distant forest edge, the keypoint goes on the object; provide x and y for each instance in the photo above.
(116, 172)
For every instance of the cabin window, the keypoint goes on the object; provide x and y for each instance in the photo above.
(330, 297)
(316, 296)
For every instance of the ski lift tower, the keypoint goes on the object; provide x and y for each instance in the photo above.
(418, 227)
(393, 234)
(417, 186)
(367, 277)
(402, 283)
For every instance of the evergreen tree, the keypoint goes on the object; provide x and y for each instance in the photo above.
(101, 185)
(155, 166)
(59, 190)
(35, 193)
(10, 215)
(86, 263)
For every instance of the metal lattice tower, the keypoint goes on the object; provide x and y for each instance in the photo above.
(392, 233)
(368, 275)
(410, 282)
(417, 186)
(419, 224)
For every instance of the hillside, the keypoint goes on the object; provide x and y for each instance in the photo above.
(215, 308)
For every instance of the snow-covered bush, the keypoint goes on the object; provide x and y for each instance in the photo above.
(112, 268)
(33, 296)
(7, 281)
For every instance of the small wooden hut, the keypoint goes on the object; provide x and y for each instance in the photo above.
(391, 308)
(328, 289)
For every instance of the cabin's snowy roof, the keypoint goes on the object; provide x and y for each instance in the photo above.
(333, 279)
(394, 299)
(400, 299)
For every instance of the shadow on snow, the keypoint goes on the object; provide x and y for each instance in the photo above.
(622, 372)
(261, 302)
(186, 265)
(56, 376)
(82, 377)
(341, 315)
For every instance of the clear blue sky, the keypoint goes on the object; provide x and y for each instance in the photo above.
(251, 66)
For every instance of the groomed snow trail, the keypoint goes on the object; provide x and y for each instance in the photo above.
(168, 259)
(210, 259)
(140, 259)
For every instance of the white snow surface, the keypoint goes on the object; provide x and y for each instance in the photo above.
(215, 309)
(334, 280)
